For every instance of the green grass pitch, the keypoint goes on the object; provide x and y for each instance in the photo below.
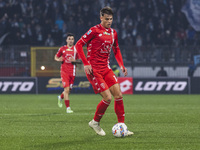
(35, 122)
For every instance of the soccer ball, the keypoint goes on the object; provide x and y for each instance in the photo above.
(119, 130)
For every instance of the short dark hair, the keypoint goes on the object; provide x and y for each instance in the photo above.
(69, 34)
(106, 10)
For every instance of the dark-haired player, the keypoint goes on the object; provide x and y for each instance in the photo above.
(68, 55)
(100, 39)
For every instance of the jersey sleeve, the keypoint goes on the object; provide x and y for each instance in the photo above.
(117, 51)
(77, 56)
(59, 53)
(85, 39)
(115, 45)
(89, 35)
(79, 47)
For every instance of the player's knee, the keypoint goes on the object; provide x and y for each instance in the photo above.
(108, 98)
(119, 95)
(66, 91)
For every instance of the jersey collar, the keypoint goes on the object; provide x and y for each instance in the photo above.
(70, 47)
(107, 29)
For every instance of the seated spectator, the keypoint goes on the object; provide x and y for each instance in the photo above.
(49, 41)
(161, 72)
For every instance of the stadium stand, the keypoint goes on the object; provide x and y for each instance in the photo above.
(148, 22)
(155, 28)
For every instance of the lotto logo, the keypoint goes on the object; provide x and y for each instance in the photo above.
(16, 86)
(126, 85)
(161, 85)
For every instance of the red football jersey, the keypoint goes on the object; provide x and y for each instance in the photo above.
(99, 42)
(67, 52)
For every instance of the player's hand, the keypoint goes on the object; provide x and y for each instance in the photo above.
(60, 59)
(88, 69)
(124, 70)
(72, 59)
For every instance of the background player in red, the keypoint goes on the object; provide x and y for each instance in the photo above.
(68, 55)
(100, 39)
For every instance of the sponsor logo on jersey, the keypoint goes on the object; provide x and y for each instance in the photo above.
(69, 49)
(106, 48)
(68, 57)
(106, 33)
(108, 42)
(89, 32)
(100, 34)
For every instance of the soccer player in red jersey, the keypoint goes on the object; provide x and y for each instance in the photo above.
(100, 39)
(68, 55)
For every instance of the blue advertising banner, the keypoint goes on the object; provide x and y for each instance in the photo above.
(54, 85)
(18, 85)
(159, 85)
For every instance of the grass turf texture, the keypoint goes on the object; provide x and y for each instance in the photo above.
(158, 121)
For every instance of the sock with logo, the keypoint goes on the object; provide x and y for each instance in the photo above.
(67, 103)
(101, 108)
(62, 96)
(119, 109)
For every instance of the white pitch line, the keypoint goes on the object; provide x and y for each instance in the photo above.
(75, 113)
(42, 114)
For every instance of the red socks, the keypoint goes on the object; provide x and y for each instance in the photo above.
(118, 106)
(67, 103)
(119, 109)
(101, 108)
(62, 96)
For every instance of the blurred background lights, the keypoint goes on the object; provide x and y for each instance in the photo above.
(42, 67)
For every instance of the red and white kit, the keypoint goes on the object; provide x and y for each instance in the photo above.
(99, 42)
(68, 70)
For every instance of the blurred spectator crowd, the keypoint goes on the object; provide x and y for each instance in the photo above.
(138, 22)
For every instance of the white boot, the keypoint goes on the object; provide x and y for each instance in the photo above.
(95, 125)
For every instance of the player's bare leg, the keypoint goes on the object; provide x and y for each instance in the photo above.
(66, 98)
(118, 104)
(101, 108)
